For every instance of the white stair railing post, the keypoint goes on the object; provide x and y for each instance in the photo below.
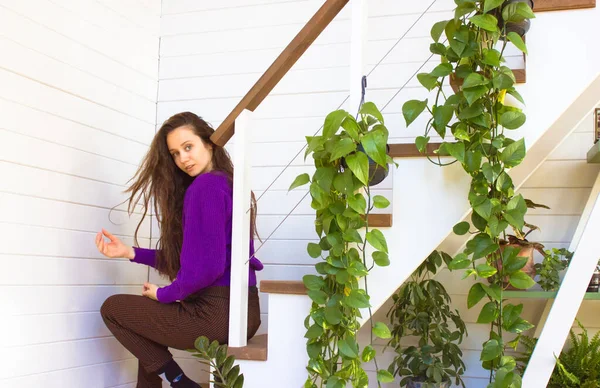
(358, 63)
(358, 43)
(567, 303)
(240, 235)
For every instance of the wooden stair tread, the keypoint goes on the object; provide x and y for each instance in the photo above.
(290, 287)
(520, 75)
(256, 349)
(409, 150)
(561, 5)
(380, 220)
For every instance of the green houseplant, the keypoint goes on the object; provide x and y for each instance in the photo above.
(475, 124)
(555, 260)
(421, 310)
(341, 157)
(224, 373)
(577, 367)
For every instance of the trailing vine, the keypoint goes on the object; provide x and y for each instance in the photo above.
(341, 157)
(477, 119)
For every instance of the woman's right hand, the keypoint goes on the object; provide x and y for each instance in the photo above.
(114, 248)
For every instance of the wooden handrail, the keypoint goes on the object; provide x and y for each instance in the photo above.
(279, 68)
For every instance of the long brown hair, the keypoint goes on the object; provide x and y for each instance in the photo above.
(159, 179)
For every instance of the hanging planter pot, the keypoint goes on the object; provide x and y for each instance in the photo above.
(376, 173)
(521, 27)
(526, 249)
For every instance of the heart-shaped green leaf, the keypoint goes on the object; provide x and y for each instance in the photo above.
(382, 331)
(512, 119)
(342, 148)
(437, 29)
(491, 4)
(412, 109)
(513, 154)
(381, 258)
(313, 282)
(380, 202)
(348, 347)
(487, 22)
(314, 250)
(384, 376)
(359, 165)
(300, 180)
(461, 228)
(476, 293)
(333, 121)
(377, 240)
(491, 350)
(488, 313)
(517, 41)
(521, 280)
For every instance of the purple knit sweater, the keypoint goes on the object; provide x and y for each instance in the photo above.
(206, 252)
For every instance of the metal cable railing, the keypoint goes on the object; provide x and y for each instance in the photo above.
(363, 81)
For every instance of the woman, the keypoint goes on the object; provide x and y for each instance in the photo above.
(190, 181)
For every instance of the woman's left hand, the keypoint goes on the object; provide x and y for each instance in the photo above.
(150, 291)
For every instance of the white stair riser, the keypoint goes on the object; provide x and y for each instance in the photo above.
(287, 358)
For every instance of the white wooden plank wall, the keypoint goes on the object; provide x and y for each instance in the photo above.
(78, 110)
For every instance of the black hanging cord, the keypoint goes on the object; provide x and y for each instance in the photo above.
(363, 82)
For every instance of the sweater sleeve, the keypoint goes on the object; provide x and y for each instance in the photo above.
(204, 250)
(145, 256)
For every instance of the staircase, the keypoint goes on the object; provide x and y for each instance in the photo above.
(427, 200)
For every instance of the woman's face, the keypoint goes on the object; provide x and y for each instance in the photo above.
(189, 152)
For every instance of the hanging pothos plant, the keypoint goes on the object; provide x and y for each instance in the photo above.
(341, 157)
(477, 121)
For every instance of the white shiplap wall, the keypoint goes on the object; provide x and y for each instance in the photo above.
(77, 112)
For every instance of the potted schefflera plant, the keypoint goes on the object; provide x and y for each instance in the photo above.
(555, 261)
(421, 310)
